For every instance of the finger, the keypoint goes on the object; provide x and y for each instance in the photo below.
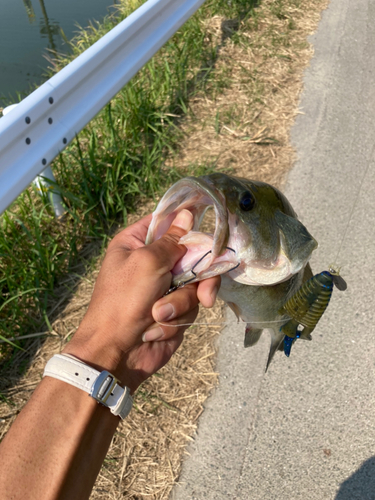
(207, 291)
(133, 236)
(166, 250)
(169, 347)
(140, 227)
(166, 331)
(175, 342)
(175, 304)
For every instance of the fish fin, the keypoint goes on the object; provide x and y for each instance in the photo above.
(297, 241)
(252, 335)
(235, 309)
(276, 340)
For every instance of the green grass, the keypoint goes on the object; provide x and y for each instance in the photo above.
(115, 161)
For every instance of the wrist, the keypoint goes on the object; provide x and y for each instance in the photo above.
(99, 358)
(98, 355)
(102, 386)
(104, 355)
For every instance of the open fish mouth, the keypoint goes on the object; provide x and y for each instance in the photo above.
(259, 245)
(195, 195)
(207, 254)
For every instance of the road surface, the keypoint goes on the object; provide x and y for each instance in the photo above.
(306, 429)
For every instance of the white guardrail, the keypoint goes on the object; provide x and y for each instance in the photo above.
(35, 131)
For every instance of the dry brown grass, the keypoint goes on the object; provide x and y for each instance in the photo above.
(242, 128)
(245, 127)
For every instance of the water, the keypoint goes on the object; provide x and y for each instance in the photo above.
(28, 28)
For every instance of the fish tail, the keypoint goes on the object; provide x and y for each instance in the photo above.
(276, 339)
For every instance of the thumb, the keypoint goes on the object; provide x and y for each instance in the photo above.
(167, 247)
(182, 224)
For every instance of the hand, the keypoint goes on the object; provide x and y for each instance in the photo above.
(120, 332)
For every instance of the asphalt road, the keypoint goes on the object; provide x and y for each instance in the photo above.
(306, 429)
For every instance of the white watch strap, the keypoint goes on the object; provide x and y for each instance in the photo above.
(102, 386)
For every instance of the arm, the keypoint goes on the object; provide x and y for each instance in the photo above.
(57, 444)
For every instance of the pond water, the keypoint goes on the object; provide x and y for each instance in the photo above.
(28, 28)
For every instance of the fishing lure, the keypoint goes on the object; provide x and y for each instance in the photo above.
(308, 304)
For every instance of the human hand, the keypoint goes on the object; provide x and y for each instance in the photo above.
(120, 332)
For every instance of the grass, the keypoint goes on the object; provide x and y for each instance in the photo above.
(118, 159)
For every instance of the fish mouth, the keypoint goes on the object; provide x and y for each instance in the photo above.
(265, 273)
(195, 195)
(207, 254)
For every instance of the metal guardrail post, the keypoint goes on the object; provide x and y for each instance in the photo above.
(41, 182)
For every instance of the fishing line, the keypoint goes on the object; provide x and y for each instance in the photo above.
(281, 321)
(353, 207)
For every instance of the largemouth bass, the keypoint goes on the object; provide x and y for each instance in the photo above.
(259, 247)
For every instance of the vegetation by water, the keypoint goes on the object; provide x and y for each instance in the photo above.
(117, 160)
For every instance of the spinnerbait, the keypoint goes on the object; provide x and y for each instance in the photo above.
(307, 306)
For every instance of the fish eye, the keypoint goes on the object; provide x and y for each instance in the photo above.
(247, 201)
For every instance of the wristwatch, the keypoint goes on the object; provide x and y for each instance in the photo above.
(102, 386)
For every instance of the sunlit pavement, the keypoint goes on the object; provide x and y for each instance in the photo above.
(306, 429)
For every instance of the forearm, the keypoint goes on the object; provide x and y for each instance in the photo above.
(59, 441)
(56, 446)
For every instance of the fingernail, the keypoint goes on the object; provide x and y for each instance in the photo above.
(184, 220)
(165, 312)
(154, 334)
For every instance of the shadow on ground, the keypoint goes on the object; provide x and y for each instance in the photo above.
(360, 485)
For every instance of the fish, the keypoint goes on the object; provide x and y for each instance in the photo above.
(259, 247)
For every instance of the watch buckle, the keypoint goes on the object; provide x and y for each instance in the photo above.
(103, 386)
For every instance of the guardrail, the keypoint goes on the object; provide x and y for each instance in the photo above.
(34, 132)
